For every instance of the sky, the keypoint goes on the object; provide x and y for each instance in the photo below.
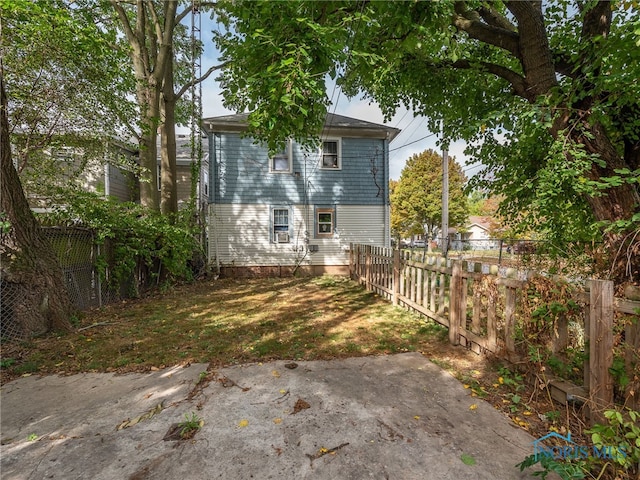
(414, 138)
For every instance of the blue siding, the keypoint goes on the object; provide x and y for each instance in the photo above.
(240, 174)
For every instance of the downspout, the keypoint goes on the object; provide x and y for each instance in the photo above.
(107, 183)
(213, 168)
(386, 200)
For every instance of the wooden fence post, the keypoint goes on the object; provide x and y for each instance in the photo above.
(367, 266)
(455, 307)
(396, 276)
(600, 347)
(509, 320)
(351, 261)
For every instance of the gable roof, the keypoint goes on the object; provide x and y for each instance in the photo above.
(482, 222)
(334, 125)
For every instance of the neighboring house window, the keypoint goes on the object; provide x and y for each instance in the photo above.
(325, 221)
(330, 155)
(281, 161)
(159, 177)
(280, 225)
(205, 181)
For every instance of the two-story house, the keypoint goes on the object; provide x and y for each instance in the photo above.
(297, 211)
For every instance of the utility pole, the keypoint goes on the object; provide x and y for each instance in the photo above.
(445, 200)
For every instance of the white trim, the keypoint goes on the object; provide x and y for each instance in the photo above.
(288, 152)
(339, 153)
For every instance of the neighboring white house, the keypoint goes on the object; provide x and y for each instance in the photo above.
(185, 159)
(102, 167)
(477, 236)
(296, 211)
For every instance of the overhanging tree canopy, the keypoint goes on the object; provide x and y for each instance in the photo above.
(546, 95)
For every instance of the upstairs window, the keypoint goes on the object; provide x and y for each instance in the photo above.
(330, 155)
(281, 161)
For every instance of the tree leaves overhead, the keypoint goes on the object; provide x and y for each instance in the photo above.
(281, 55)
(62, 71)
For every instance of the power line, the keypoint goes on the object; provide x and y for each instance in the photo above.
(411, 143)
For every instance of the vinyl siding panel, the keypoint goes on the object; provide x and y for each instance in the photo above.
(183, 183)
(240, 235)
(121, 184)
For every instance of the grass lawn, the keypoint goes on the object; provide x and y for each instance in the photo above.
(232, 321)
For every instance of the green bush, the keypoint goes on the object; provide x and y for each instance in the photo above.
(166, 244)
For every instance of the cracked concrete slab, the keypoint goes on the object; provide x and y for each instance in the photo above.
(385, 417)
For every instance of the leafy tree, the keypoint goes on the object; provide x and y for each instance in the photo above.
(417, 199)
(547, 97)
(52, 61)
(161, 55)
(178, 105)
(149, 32)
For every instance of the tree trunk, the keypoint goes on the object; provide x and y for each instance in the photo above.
(169, 188)
(28, 260)
(148, 99)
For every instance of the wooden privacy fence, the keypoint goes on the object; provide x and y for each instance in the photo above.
(479, 305)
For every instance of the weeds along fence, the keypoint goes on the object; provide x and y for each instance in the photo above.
(78, 255)
(583, 334)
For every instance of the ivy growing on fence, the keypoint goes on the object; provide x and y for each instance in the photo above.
(132, 236)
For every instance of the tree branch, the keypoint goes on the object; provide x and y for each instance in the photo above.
(516, 81)
(470, 22)
(495, 19)
(128, 31)
(597, 20)
(190, 84)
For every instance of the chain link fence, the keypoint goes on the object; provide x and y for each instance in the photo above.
(77, 254)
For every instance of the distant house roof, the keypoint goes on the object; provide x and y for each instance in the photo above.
(482, 222)
(334, 124)
(184, 151)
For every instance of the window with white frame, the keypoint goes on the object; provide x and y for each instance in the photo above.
(280, 225)
(330, 154)
(281, 162)
(205, 183)
(325, 218)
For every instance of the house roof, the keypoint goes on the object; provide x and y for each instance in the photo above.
(184, 154)
(482, 222)
(334, 125)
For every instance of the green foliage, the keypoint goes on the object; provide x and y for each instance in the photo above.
(62, 72)
(190, 425)
(511, 379)
(416, 200)
(566, 469)
(7, 362)
(619, 372)
(132, 234)
(5, 225)
(623, 433)
(467, 459)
